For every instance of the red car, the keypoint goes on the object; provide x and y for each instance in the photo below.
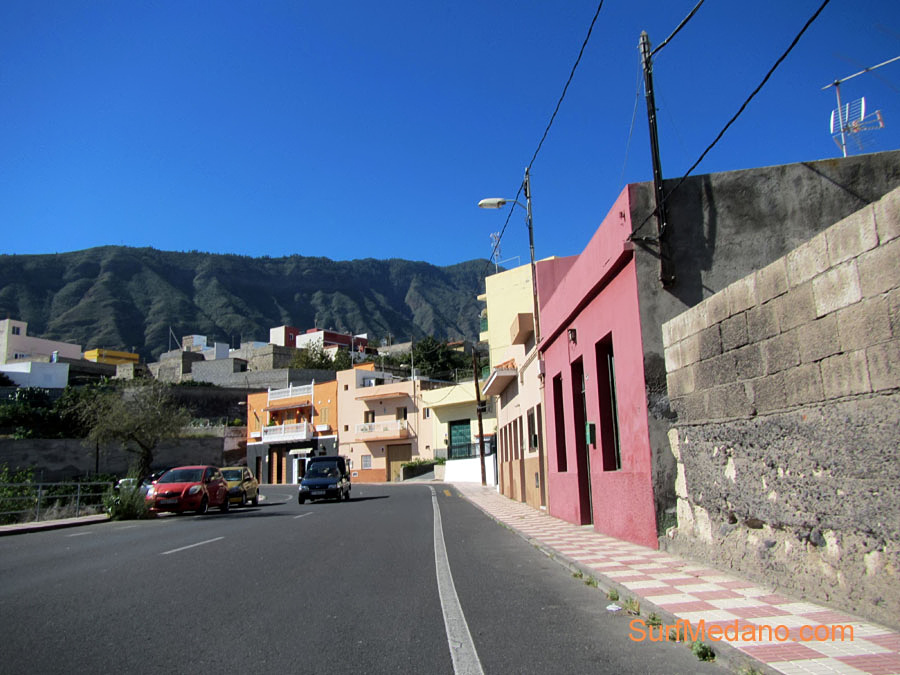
(189, 488)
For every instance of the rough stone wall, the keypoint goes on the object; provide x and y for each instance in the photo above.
(65, 459)
(787, 389)
(723, 227)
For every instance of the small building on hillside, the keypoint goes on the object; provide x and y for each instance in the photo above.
(17, 345)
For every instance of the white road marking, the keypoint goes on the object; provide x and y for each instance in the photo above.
(308, 513)
(79, 534)
(462, 649)
(184, 548)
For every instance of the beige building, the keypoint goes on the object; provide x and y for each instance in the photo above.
(17, 345)
(382, 423)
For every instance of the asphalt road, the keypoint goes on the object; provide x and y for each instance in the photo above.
(320, 588)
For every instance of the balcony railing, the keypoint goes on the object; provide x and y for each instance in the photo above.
(288, 432)
(290, 392)
(381, 430)
(464, 450)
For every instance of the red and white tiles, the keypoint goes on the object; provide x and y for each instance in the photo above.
(695, 592)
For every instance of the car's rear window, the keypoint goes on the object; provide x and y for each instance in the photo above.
(181, 476)
(233, 474)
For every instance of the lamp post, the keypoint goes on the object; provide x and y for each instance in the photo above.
(499, 203)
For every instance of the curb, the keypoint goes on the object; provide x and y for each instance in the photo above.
(727, 656)
(39, 526)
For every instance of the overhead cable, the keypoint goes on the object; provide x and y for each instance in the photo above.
(677, 28)
(736, 115)
(547, 130)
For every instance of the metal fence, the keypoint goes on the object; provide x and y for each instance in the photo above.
(463, 450)
(30, 502)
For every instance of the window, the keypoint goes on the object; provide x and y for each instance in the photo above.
(401, 413)
(609, 418)
(367, 461)
(560, 423)
(426, 413)
(346, 387)
(346, 427)
(324, 414)
(369, 417)
(16, 330)
(532, 433)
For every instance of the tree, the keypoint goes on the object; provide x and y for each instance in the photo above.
(138, 416)
(342, 360)
(312, 358)
(435, 359)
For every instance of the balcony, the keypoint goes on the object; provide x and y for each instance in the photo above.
(284, 433)
(382, 431)
(290, 392)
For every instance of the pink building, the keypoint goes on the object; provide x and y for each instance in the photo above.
(606, 406)
(599, 453)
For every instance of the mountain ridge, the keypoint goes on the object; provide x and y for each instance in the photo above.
(119, 297)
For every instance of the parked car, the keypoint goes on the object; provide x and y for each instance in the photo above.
(242, 486)
(325, 478)
(125, 484)
(148, 482)
(189, 488)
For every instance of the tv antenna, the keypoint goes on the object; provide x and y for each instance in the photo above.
(495, 249)
(851, 119)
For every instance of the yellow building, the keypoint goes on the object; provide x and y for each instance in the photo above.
(451, 413)
(516, 385)
(111, 357)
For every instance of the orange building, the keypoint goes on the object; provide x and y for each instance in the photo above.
(286, 426)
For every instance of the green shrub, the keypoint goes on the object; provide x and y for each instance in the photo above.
(126, 505)
(703, 651)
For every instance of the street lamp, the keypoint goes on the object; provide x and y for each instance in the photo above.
(499, 203)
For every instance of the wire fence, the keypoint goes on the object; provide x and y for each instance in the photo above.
(32, 502)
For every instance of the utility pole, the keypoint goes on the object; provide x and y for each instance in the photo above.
(666, 273)
(478, 412)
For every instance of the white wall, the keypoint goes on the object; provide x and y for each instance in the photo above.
(469, 470)
(34, 374)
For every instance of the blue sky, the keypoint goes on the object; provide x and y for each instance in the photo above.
(360, 129)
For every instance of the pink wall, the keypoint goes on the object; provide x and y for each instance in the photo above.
(622, 500)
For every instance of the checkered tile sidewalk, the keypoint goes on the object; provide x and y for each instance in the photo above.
(693, 591)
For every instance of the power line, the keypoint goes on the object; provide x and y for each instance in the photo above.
(677, 28)
(736, 115)
(568, 82)
(637, 98)
(549, 124)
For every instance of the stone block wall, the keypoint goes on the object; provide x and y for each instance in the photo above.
(787, 389)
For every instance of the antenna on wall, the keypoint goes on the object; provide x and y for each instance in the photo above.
(495, 248)
(850, 119)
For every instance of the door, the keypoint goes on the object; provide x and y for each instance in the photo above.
(397, 455)
(460, 438)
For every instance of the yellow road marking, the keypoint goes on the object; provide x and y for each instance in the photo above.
(448, 493)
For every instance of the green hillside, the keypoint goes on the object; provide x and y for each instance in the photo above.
(117, 297)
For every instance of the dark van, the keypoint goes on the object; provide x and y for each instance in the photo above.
(325, 478)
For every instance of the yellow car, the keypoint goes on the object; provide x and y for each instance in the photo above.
(242, 486)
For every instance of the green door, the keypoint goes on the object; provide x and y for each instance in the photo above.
(460, 439)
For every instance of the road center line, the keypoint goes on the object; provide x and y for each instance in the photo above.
(184, 548)
(308, 513)
(462, 649)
